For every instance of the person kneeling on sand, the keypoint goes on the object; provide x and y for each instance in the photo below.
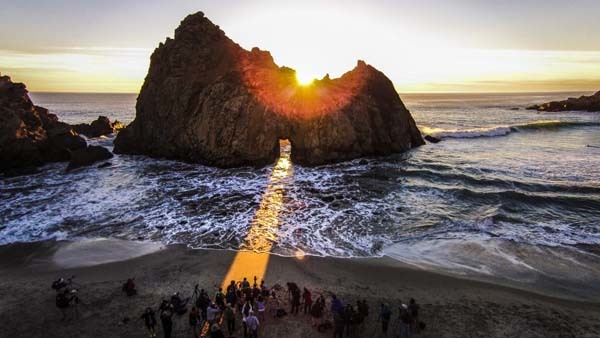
(253, 324)
(129, 287)
(215, 331)
(63, 300)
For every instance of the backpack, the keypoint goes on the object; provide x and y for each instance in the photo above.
(281, 313)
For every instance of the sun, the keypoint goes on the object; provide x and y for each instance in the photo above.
(304, 79)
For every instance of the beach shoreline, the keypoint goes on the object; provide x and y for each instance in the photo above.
(451, 307)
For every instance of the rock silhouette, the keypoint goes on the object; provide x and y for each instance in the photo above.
(206, 99)
(99, 127)
(29, 134)
(582, 103)
(88, 156)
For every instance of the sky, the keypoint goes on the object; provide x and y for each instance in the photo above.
(423, 46)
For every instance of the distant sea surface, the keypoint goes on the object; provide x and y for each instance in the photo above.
(508, 192)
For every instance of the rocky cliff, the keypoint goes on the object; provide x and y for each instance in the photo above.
(30, 135)
(206, 99)
(582, 103)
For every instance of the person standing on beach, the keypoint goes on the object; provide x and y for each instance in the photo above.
(347, 316)
(253, 324)
(295, 300)
(229, 315)
(316, 313)
(405, 321)
(212, 312)
(246, 310)
(203, 302)
(306, 295)
(413, 310)
(194, 320)
(336, 305)
(338, 325)
(150, 321)
(384, 316)
(220, 298)
(166, 318)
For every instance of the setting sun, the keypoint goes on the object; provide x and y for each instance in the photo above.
(304, 79)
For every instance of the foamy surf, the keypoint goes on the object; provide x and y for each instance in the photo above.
(494, 131)
(90, 252)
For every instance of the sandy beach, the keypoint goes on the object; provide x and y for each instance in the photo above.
(450, 307)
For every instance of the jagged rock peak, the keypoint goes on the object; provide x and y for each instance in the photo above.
(206, 99)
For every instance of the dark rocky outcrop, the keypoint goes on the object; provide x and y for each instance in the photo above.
(30, 135)
(206, 99)
(100, 127)
(583, 103)
(432, 139)
(88, 156)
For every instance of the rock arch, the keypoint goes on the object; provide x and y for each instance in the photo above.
(206, 99)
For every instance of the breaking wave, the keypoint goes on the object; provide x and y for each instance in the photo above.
(495, 131)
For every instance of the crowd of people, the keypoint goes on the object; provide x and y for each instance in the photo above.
(252, 305)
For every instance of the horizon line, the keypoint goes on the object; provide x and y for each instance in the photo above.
(400, 93)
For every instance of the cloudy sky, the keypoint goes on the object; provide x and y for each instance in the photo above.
(423, 46)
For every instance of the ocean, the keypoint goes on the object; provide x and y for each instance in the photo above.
(508, 193)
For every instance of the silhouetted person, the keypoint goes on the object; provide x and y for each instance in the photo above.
(295, 300)
(413, 310)
(194, 320)
(150, 321)
(384, 316)
(307, 296)
(347, 316)
(229, 315)
(166, 318)
(338, 325)
(129, 287)
(336, 305)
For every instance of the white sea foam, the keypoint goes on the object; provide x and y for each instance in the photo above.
(490, 197)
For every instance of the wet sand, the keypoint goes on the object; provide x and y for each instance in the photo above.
(450, 307)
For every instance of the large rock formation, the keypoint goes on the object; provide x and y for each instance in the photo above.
(582, 103)
(206, 99)
(30, 135)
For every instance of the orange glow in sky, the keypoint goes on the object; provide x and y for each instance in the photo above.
(425, 46)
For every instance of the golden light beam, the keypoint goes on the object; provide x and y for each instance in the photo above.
(252, 259)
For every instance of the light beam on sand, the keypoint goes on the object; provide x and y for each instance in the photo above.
(253, 257)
